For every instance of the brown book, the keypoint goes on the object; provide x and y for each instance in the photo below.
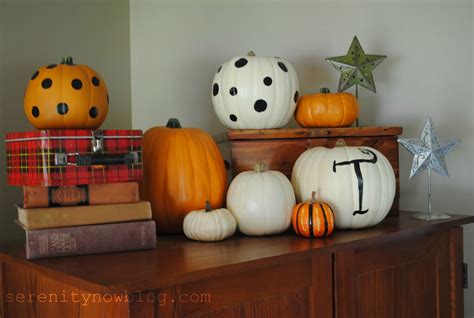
(90, 239)
(41, 218)
(39, 197)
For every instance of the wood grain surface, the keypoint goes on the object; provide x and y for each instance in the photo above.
(179, 260)
(298, 133)
(390, 270)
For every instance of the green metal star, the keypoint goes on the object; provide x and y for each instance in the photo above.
(356, 67)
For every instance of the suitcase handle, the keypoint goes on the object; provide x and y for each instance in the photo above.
(76, 159)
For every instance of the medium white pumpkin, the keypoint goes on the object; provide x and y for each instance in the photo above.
(209, 225)
(255, 92)
(358, 182)
(261, 201)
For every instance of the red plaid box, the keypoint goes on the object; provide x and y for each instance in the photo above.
(72, 157)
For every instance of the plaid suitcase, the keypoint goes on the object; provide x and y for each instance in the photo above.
(73, 157)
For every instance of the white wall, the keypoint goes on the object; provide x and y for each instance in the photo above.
(176, 46)
(37, 33)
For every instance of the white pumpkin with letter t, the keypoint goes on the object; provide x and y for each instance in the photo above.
(255, 92)
(358, 182)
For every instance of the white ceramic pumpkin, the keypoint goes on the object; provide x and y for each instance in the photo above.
(358, 182)
(255, 92)
(261, 201)
(209, 225)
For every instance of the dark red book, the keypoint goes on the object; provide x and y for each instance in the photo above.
(73, 156)
(90, 239)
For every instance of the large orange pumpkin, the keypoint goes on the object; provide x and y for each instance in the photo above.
(182, 169)
(66, 96)
(313, 218)
(327, 109)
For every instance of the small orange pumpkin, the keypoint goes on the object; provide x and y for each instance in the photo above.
(313, 219)
(327, 109)
(182, 169)
(66, 96)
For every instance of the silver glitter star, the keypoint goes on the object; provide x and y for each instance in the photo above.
(429, 151)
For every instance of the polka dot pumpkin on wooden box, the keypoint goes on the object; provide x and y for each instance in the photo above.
(66, 96)
(255, 92)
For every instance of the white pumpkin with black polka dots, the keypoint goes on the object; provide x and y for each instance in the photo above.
(254, 92)
(66, 96)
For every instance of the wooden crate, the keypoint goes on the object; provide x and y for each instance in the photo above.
(279, 148)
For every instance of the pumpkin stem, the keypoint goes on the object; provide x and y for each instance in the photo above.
(313, 197)
(325, 90)
(340, 143)
(67, 60)
(208, 206)
(250, 53)
(259, 167)
(173, 123)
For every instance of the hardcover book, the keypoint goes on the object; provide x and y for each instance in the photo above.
(93, 194)
(91, 239)
(40, 218)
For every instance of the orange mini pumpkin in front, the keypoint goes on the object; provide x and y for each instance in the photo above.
(313, 218)
(66, 96)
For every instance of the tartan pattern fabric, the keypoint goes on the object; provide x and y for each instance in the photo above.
(31, 157)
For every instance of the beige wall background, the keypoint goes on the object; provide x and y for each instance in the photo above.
(176, 46)
(37, 33)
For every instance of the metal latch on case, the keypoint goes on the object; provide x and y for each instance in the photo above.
(97, 141)
(76, 159)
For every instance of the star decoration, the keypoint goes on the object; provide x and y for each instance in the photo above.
(356, 67)
(428, 151)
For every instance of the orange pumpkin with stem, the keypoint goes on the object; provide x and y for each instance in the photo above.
(182, 169)
(313, 218)
(327, 109)
(66, 96)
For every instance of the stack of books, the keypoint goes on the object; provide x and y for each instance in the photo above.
(80, 191)
(57, 223)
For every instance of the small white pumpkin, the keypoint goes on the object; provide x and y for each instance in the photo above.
(261, 201)
(209, 225)
(255, 92)
(358, 182)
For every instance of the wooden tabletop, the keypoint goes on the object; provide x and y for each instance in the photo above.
(179, 260)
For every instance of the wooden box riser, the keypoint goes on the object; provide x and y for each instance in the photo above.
(281, 153)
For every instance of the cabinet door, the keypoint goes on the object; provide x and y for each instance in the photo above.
(415, 276)
(301, 288)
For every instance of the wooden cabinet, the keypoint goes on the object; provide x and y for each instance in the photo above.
(399, 268)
